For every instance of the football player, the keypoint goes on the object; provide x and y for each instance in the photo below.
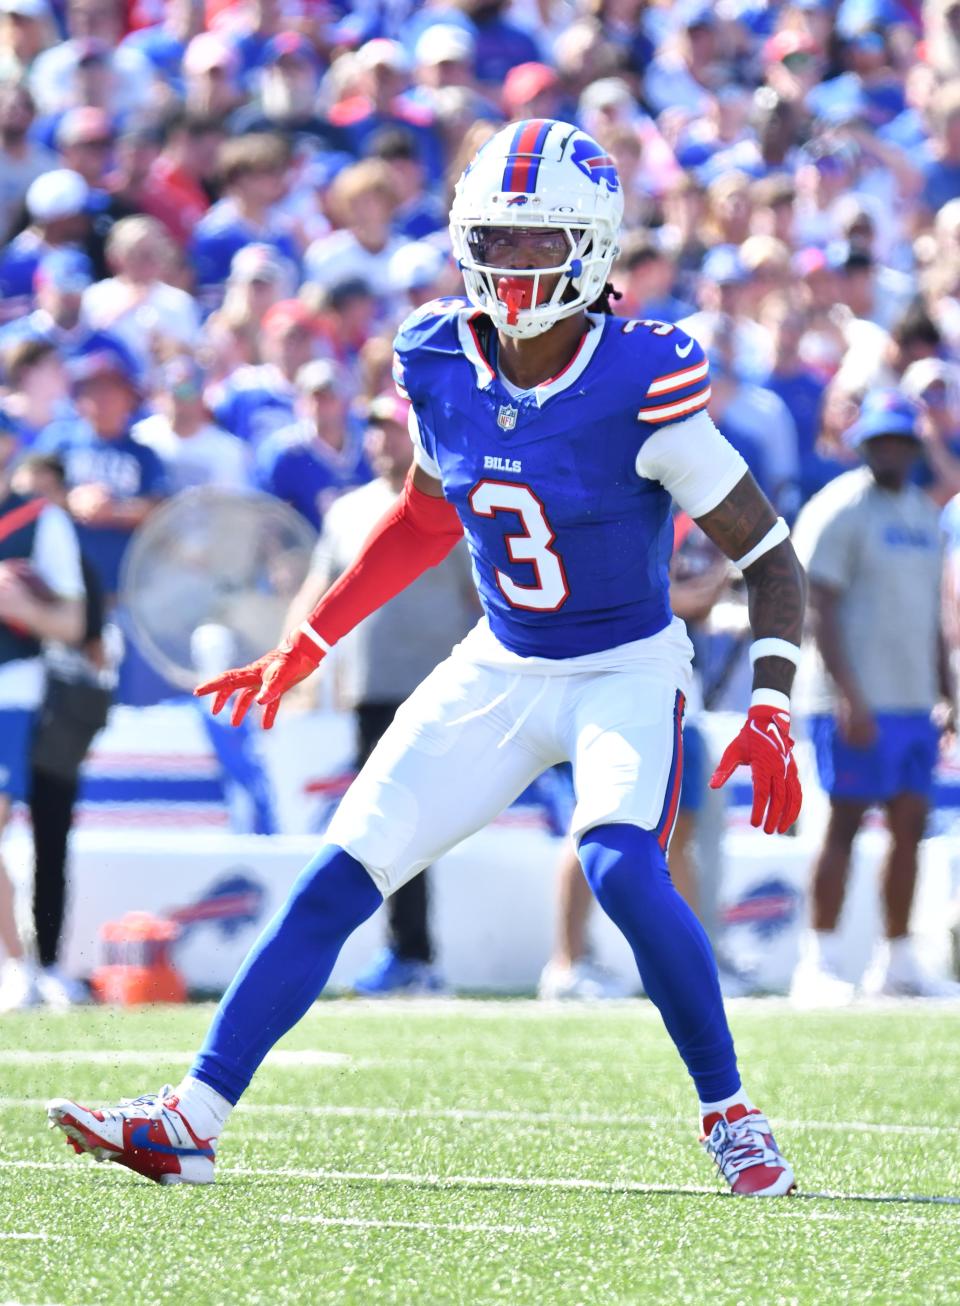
(552, 435)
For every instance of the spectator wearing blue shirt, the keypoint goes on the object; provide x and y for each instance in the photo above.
(287, 97)
(165, 43)
(419, 212)
(114, 481)
(258, 399)
(59, 282)
(802, 391)
(311, 463)
(58, 204)
(382, 75)
(941, 169)
(254, 174)
(500, 45)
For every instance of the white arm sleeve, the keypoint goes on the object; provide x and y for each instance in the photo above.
(694, 462)
(56, 554)
(420, 455)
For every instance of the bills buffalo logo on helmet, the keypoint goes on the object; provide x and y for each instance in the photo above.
(598, 167)
(518, 199)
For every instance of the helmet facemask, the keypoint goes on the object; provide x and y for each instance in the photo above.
(516, 299)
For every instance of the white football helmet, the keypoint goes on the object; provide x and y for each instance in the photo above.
(535, 174)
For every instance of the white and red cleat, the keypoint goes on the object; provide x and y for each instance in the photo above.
(147, 1134)
(746, 1154)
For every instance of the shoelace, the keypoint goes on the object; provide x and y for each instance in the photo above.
(742, 1145)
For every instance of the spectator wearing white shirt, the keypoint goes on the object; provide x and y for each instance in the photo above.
(136, 304)
(193, 449)
(362, 199)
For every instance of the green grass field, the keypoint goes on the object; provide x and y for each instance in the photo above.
(474, 1152)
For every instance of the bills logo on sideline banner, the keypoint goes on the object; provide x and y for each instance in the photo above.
(232, 904)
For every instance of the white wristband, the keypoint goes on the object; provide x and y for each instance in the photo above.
(777, 533)
(770, 698)
(774, 648)
(306, 629)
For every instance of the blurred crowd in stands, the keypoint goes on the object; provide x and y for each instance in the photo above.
(215, 216)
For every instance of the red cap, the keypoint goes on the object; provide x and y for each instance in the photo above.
(287, 313)
(525, 81)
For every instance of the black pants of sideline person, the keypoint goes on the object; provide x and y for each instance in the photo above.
(52, 800)
(408, 933)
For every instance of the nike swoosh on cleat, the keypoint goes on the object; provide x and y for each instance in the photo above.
(682, 351)
(140, 1138)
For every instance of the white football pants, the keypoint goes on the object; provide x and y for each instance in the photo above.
(471, 738)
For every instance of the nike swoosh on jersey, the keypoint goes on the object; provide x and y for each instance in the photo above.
(683, 350)
(140, 1138)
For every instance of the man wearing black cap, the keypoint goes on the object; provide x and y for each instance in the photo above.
(878, 675)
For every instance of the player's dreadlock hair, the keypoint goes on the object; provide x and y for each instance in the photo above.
(602, 302)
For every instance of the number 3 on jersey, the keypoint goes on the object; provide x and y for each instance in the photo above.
(551, 591)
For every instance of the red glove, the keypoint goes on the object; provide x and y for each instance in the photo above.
(265, 680)
(764, 744)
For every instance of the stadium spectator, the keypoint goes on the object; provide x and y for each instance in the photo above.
(645, 274)
(259, 398)
(312, 462)
(210, 75)
(137, 304)
(531, 90)
(176, 190)
(253, 170)
(38, 536)
(941, 166)
(22, 159)
(419, 271)
(802, 392)
(287, 97)
(721, 297)
(114, 481)
(95, 29)
(165, 43)
(74, 707)
(60, 281)
(362, 202)
(685, 71)
(193, 451)
(26, 29)
(418, 213)
(345, 318)
(58, 204)
(259, 278)
(385, 658)
(36, 388)
(374, 99)
(935, 385)
(876, 672)
(757, 423)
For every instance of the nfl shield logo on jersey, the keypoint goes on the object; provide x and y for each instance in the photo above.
(507, 417)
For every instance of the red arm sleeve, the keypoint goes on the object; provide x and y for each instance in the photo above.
(415, 534)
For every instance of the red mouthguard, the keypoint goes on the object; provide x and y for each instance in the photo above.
(516, 293)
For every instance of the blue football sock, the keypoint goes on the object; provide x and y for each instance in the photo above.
(286, 969)
(627, 871)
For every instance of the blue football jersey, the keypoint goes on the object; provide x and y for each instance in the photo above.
(570, 544)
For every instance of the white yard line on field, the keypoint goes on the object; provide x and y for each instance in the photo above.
(423, 1225)
(158, 1057)
(509, 1182)
(572, 1120)
(28, 1237)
